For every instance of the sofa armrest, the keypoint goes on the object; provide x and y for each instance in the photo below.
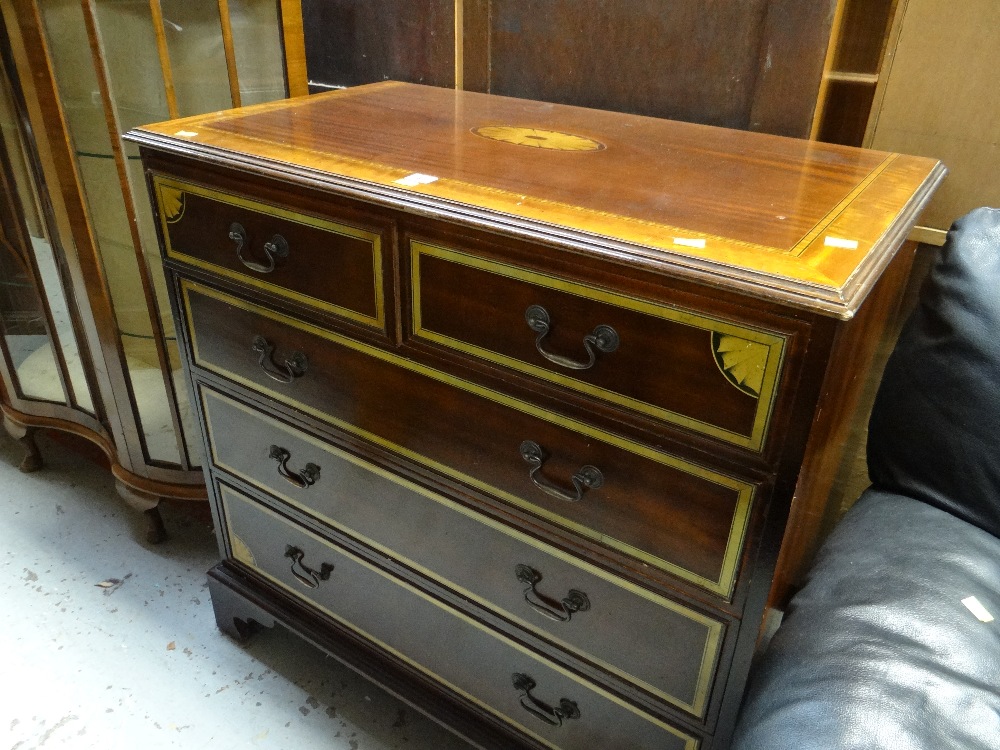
(877, 651)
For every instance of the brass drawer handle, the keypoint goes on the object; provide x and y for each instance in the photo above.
(294, 366)
(301, 479)
(587, 478)
(276, 248)
(602, 339)
(575, 601)
(552, 715)
(306, 575)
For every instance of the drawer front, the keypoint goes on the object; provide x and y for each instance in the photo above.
(680, 366)
(681, 517)
(199, 229)
(620, 627)
(449, 647)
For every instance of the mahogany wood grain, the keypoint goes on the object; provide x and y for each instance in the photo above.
(750, 65)
(461, 550)
(782, 236)
(776, 217)
(676, 516)
(661, 363)
(351, 248)
(815, 507)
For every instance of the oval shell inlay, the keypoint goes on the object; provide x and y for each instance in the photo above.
(537, 138)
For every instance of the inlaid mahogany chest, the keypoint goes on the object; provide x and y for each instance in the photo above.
(527, 412)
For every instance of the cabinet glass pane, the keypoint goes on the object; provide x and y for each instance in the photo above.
(152, 71)
(144, 100)
(257, 45)
(197, 56)
(29, 342)
(128, 43)
(32, 359)
(136, 83)
(59, 310)
(151, 252)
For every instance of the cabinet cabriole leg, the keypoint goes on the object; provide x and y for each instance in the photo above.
(148, 505)
(25, 435)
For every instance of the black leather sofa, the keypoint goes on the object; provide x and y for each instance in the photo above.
(883, 648)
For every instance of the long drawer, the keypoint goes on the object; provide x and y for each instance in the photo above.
(275, 248)
(680, 366)
(617, 626)
(555, 707)
(686, 519)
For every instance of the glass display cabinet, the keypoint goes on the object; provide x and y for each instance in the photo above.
(86, 336)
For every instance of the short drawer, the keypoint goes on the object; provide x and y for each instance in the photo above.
(681, 366)
(686, 519)
(658, 645)
(275, 249)
(555, 707)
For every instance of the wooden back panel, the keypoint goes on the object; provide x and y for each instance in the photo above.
(752, 65)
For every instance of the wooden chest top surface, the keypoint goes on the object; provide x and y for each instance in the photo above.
(808, 223)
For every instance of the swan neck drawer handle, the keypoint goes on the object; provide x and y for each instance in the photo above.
(552, 715)
(561, 611)
(275, 249)
(602, 339)
(301, 479)
(293, 367)
(306, 575)
(587, 478)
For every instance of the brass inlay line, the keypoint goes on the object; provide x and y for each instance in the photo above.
(823, 224)
(814, 273)
(229, 495)
(713, 628)
(775, 343)
(163, 183)
(666, 229)
(744, 490)
(389, 175)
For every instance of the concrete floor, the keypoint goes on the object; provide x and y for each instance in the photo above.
(110, 643)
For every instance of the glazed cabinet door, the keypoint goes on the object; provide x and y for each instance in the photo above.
(87, 333)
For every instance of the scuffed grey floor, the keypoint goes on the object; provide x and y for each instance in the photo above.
(109, 643)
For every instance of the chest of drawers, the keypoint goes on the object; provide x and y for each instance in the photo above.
(527, 412)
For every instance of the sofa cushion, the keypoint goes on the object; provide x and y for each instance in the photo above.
(877, 651)
(934, 433)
